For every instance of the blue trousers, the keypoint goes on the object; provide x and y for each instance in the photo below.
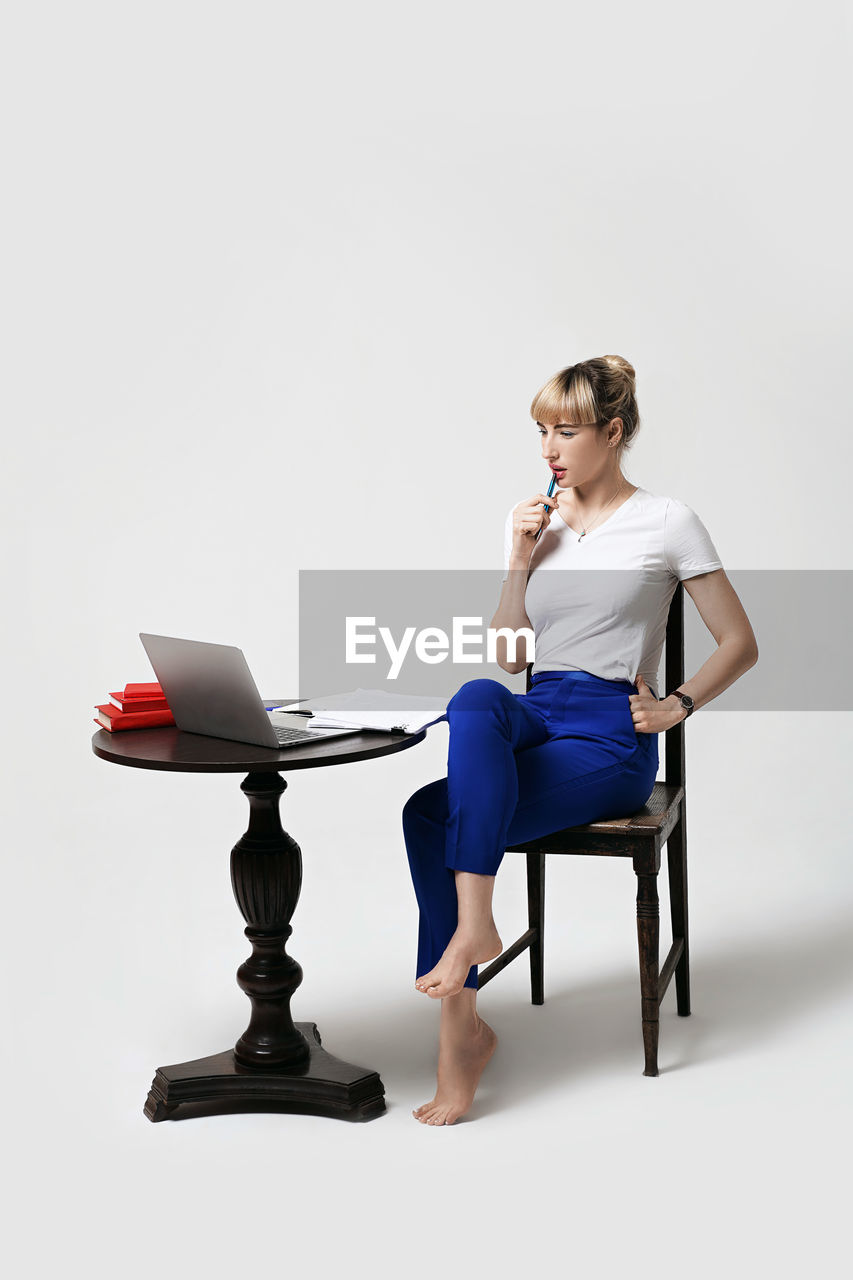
(520, 765)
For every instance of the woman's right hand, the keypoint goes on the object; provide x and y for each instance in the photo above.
(527, 518)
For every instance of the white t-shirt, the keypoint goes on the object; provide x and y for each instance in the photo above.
(606, 612)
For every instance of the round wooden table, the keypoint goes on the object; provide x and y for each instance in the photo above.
(276, 1065)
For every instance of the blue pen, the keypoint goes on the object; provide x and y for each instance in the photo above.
(551, 487)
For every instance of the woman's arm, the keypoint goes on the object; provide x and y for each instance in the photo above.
(529, 516)
(737, 650)
(511, 614)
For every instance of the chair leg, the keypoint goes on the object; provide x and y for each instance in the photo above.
(536, 920)
(648, 935)
(676, 853)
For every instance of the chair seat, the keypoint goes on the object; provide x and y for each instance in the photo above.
(614, 836)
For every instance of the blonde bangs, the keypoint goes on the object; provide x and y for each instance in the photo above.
(567, 397)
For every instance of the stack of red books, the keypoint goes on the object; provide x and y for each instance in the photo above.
(138, 706)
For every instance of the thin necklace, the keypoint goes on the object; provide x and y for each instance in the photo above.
(604, 508)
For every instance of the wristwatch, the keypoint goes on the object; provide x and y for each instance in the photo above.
(685, 699)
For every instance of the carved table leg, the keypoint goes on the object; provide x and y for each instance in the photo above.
(276, 1065)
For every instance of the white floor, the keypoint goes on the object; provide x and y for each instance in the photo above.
(733, 1159)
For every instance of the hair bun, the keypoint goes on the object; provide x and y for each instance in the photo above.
(618, 363)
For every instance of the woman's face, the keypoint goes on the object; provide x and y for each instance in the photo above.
(576, 454)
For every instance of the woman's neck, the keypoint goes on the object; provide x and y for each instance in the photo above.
(593, 494)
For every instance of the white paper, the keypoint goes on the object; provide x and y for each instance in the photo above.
(372, 709)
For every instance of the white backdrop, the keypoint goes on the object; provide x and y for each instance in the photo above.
(280, 282)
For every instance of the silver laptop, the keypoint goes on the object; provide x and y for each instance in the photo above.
(210, 690)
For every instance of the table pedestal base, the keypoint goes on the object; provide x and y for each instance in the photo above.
(219, 1085)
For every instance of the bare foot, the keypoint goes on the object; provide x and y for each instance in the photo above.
(448, 976)
(462, 1056)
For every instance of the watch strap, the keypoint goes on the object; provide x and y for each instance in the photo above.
(679, 693)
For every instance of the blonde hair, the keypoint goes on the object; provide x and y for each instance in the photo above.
(597, 390)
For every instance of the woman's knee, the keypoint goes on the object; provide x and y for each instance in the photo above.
(479, 695)
(427, 803)
(413, 809)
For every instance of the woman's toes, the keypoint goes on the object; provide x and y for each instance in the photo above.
(447, 978)
(443, 981)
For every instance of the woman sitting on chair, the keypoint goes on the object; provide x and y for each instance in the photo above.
(582, 744)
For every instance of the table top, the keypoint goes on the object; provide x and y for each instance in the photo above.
(173, 749)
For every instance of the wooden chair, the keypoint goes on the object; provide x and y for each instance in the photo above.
(661, 821)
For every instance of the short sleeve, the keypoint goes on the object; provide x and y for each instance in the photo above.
(688, 548)
(507, 541)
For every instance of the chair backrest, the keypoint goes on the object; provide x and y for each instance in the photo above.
(674, 763)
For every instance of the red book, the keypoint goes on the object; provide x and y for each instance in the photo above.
(109, 717)
(153, 703)
(151, 690)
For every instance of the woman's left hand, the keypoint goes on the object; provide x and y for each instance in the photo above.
(651, 715)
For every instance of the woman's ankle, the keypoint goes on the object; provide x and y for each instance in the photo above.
(469, 935)
(461, 1008)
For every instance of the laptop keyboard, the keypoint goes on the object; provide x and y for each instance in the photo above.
(293, 735)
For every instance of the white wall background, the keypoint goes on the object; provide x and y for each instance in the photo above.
(279, 283)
